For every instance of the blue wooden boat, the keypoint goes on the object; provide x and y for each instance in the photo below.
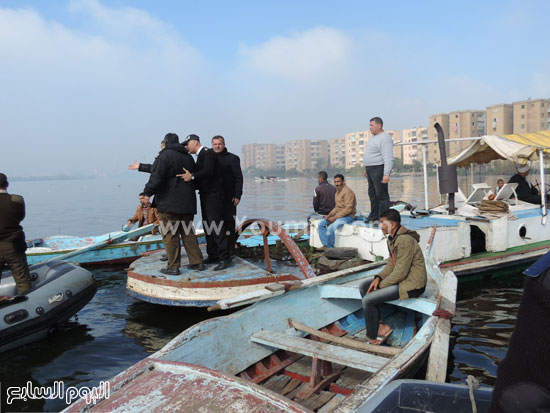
(122, 251)
(304, 344)
(129, 246)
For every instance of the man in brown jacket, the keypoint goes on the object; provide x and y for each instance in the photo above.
(343, 212)
(404, 275)
(145, 214)
(12, 237)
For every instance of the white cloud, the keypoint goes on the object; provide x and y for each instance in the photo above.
(128, 78)
(308, 54)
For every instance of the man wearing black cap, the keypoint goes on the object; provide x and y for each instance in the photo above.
(176, 204)
(232, 175)
(12, 237)
(210, 185)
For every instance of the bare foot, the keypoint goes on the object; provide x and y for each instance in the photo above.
(383, 329)
(374, 342)
(4, 297)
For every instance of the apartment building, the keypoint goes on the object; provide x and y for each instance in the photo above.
(355, 148)
(412, 153)
(531, 115)
(248, 156)
(500, 119)
(397, 149)
(337, 153)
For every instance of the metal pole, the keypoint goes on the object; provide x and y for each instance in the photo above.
(471, 176)
(425, 169)
(542, 186)
(437, 177)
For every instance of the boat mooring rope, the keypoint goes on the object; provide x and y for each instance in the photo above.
(472, 383)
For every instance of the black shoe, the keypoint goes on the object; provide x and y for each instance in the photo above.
(223, 265)
(164, 257)
(168, 271)
(210, 260)
(196, 267)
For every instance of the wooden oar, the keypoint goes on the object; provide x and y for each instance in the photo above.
(119, 237)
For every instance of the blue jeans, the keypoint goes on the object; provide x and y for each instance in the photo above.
(327, 230)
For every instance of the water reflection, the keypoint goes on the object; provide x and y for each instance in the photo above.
(485, 319)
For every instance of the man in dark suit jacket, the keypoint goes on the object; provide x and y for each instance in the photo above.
(232, 176)
(12, 237)
(210, 185)
(176, 204)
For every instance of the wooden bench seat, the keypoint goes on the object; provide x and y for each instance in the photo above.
(421, 304)
(340, 355)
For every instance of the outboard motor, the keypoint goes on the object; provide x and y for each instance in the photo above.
(448, 180)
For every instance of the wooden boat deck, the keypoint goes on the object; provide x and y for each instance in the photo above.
(196, 288)
(241, 269)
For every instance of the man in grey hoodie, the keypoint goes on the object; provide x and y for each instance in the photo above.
(378, 161)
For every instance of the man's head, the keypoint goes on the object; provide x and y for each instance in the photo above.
(375, 125)
(500, 183)
(169, 138)
(339, 181)
(142, 200)
(192, 143)
(322, 176)
(218, 143)
(3, 181)
(523, 170)
(389, 221)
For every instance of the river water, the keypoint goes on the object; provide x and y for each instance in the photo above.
(114, 331)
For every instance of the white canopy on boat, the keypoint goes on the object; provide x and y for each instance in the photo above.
(519, 148)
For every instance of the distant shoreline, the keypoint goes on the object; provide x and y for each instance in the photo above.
(48, 178)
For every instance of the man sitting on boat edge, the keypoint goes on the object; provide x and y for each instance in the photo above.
(145, 214)
(343, 212)
(404, 275)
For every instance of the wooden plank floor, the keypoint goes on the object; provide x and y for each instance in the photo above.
(324, 401)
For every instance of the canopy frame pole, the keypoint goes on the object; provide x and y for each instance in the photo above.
(542, 186)
(471, 178)
(425, 170)
(437, 177)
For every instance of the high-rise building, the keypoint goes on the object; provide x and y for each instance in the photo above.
(306, 154)
(531, 115)
(465, 124)
(500, 119)
(248, 156)
(457, 124)
(412, 153)
(280, 156)
(397, 149)
(319, 154)
(337, 152)
(355, 147)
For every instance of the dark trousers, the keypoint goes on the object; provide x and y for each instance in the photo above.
(378, 192)
(173, 228)
(229, 224)
(213, 223)
(17, 263)
(373, 300)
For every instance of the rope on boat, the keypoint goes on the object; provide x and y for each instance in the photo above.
(472, 383)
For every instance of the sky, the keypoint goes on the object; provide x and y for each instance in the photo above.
(89, 86)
